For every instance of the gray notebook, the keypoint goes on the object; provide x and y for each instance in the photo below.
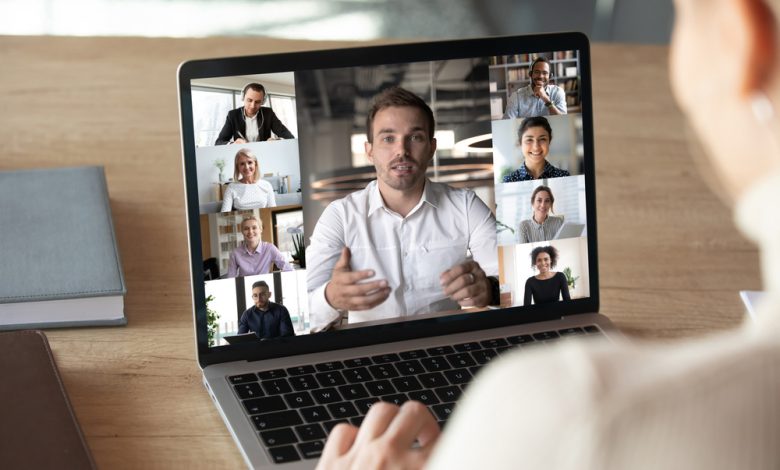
(59, 262)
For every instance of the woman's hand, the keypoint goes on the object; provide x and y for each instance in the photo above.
(384, 440)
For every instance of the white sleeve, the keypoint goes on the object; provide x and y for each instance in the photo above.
(323, 252)
(482, 234)
(271, 199)
(227, 200)
(560, 100)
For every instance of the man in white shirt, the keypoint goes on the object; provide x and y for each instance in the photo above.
(539, 98)
(404, 245)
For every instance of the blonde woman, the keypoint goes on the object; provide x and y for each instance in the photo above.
(248, 190)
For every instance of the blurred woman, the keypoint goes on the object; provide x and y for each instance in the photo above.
(542, 226)
(548, 285)
(248, 190)
(534, 137)
(253, 256)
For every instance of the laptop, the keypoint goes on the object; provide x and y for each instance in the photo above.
(278, 176)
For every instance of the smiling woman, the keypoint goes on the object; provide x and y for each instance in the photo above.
(534, 138)
(548, 285)
(247, 191)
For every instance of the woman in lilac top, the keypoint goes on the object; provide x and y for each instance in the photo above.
(254, 256)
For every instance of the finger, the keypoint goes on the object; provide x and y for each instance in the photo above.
(379, 417)
(355, 290)
(456, 271)
(351, 277)
(413, 422)
(339, 442)
(343, 262)
(369, 301)
(474, 277)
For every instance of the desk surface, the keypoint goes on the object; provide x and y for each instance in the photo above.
(671, 262)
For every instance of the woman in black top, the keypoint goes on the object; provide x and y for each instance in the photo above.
(548, 285)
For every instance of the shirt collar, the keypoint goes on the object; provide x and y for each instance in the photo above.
(524, 174)
(246, 248)
(243, 113)
(375, 201)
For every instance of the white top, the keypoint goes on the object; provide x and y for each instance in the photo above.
(708, 403)
(252, 130)
(242, 196)
(410, 253)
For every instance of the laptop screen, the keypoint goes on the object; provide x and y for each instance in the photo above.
(350, 192)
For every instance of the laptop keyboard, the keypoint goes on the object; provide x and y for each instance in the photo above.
(294, 409)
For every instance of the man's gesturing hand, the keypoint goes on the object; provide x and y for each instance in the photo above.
(466, 284)
(346, 292)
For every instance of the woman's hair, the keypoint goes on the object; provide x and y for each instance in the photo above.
(549, 249)
(252, 217)
(245, 153)
(536, 121)
(546, 189)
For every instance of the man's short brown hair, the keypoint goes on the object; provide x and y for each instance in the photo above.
(397, 96)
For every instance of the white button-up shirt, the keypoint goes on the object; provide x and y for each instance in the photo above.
(446, 228)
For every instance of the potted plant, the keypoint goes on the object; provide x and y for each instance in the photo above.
(299, 248)
(571, 280)
(220, 164)
(211, 321)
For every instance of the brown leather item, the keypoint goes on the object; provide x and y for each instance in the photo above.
(38, 428)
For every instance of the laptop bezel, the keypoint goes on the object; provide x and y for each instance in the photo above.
(366, 56)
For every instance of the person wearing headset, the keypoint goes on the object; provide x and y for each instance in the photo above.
(252, 122)
(539, 98)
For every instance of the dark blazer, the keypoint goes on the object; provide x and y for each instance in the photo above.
(235, 126)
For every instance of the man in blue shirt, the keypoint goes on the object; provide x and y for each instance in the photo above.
(266, 319)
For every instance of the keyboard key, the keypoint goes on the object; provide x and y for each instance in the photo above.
(301, 370)
(573, 331)
(358, 362)
(457, 376)
(364, 404)
(342, 410)
(272, 374)
(353, 392)
(427, 397)
(406, 384)
(249, 390)
(276, 420)
(397, 398)
(545, 335)
(385, 358)
(311, 450)
(278, 437)
(444, 411)
(383, 371)
(326, 395)
(466, 347)
(315, 414)
(380, 387)
(440, 350)
(484, 356)
(276, 386)
(264, 405)
(356, 421)
(284, 454)
(242, 379)
(460, 360)
(310, 432)
(356, 375)
(433, 380)
(304, 382)
(298, 399)
(330, 379)
(504, 349)
(494, 343)
(329, 425)
(329, 366)
(521, 339)
(415, 354)
(592, 330)
(411, 367)
(473, 371)
(448, 394)
(433, 364)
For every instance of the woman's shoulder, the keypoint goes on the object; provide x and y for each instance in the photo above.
(265, 185)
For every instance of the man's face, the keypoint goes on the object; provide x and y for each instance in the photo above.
(252, 101)
(402, 148)
(540, 74)
(260, 296)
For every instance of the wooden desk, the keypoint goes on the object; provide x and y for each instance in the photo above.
(671, 263)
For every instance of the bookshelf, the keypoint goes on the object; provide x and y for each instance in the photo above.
(509, 72)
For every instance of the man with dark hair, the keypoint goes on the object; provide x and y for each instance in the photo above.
(266, 319)
(404, 245)
(252, 122)
(539, 98)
